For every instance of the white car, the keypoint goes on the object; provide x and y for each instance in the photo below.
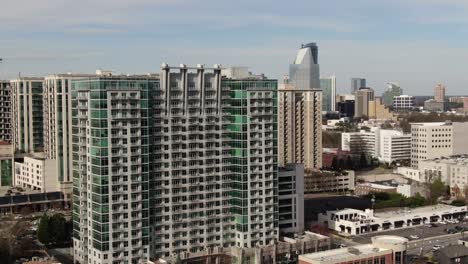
(342, 246)
(414, 237)
(436, 247)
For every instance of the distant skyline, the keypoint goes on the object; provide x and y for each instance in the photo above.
(417, 43)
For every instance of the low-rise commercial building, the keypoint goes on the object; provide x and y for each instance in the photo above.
(355, 222)
(383, 249)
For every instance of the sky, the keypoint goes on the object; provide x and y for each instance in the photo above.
(416, 43)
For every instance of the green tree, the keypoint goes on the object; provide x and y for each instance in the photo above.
(416, 201)
(437, 189)
(43, 230)
(58, 229)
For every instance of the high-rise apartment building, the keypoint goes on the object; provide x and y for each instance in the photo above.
(5, 111)
(439, 93)
(328, 87)
(58, 127)
(304, 73)
(357, 83)
(391, 90)
(170, 164)
(438, 139)
(300, 127)
(27, 114)
(361, 103)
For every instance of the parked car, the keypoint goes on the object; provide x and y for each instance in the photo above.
(436, 247)
(414, 237)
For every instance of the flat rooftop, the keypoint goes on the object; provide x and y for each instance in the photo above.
(343, 254)
(415, 211)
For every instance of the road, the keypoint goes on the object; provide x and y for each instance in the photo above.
(414, 247)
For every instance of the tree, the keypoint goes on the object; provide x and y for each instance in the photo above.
(43, 230)
(58, 229)
(437, 189)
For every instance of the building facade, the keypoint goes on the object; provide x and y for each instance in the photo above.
(177, 163)
(385, 144)
(58, 126)
(27, 115)
(403, 103)
(304, 73)
(356, 84)
(36, 172)
(439, 93)
(299, 127)
(432, 105)
(377, 110)
(361, 104)
(5, 111)
(291, 198)
(328, 87)
(6, 164)
(437, 139)
(391, 90)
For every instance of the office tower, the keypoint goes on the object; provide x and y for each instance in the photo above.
(58, 127)
(357, 83)
(27, 114)
(391, 90)
(304, 72)
(5, 111)
(328, 87)
(178, 163)
(439, 93)
(361, 105)
(436, 140)
(300, 127)
(403, 103)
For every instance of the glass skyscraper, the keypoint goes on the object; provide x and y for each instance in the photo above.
(328, 86)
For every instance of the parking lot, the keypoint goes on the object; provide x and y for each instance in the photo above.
(412, 233)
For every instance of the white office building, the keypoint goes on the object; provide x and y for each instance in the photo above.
(36, 172)
(385, 144)
(437, 139)
(355, 222)
(403, 103)
(452, 170)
